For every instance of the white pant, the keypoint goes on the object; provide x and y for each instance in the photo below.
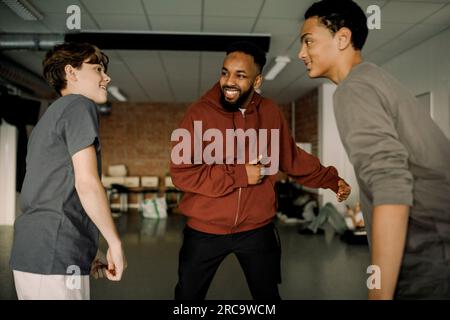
(33, 286)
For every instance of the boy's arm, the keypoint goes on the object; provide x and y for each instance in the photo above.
(389, 227)
(367, 126)
(93, 198)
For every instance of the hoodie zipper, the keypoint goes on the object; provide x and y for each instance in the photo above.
(240, 189)
(238, 206)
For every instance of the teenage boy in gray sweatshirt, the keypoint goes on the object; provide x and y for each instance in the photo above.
(401, 158)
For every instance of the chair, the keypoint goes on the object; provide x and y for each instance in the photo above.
(122, 191)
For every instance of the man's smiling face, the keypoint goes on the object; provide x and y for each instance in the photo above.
(238, 79)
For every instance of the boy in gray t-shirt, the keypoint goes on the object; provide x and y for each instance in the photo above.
(63, 201)
(400, 156)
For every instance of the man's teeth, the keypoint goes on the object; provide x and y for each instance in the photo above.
(231, 93)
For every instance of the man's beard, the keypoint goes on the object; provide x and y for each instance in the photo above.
(234, 106)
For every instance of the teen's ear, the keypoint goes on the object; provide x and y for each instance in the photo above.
(258, 82)
(70, 73)
(344, 36)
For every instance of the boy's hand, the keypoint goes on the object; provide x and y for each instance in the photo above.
(343, 191)
(116, 263)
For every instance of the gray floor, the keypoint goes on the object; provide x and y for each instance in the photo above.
(313, 266)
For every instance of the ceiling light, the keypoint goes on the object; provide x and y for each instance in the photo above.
(280, 63)
(115, 92)
(24, 9)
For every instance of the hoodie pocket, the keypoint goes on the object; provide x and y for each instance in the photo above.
(219, 211)
(259, 202)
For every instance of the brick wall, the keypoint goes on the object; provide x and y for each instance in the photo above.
(286, 109)
(306, 119)
(138, 135)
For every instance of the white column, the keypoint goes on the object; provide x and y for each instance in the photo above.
(8, 155)
(331, 151)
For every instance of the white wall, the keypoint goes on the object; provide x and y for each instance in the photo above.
(8, 155)
(331, 150)
(426, 68)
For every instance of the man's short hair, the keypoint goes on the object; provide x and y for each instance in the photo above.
(259, 56)
(338, 14)
(70, 53)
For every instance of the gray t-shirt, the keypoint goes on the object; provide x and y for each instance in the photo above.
(400, 156)
(54, 232)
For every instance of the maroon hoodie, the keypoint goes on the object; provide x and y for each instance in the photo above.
(217, 197)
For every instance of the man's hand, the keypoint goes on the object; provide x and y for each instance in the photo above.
(99, 265)
(255, 173)
(116, 262)
(343, 191)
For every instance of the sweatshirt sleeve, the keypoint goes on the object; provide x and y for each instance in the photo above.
(368, 133)
(212, 180)
(305, 168)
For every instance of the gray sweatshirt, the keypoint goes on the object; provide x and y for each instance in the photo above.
(399, 154)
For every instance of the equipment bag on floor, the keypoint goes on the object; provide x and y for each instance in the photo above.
(155, 208)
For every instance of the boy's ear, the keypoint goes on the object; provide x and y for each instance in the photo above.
(70, 73)
(344, 36)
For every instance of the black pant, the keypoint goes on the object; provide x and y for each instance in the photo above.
(258, 252)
